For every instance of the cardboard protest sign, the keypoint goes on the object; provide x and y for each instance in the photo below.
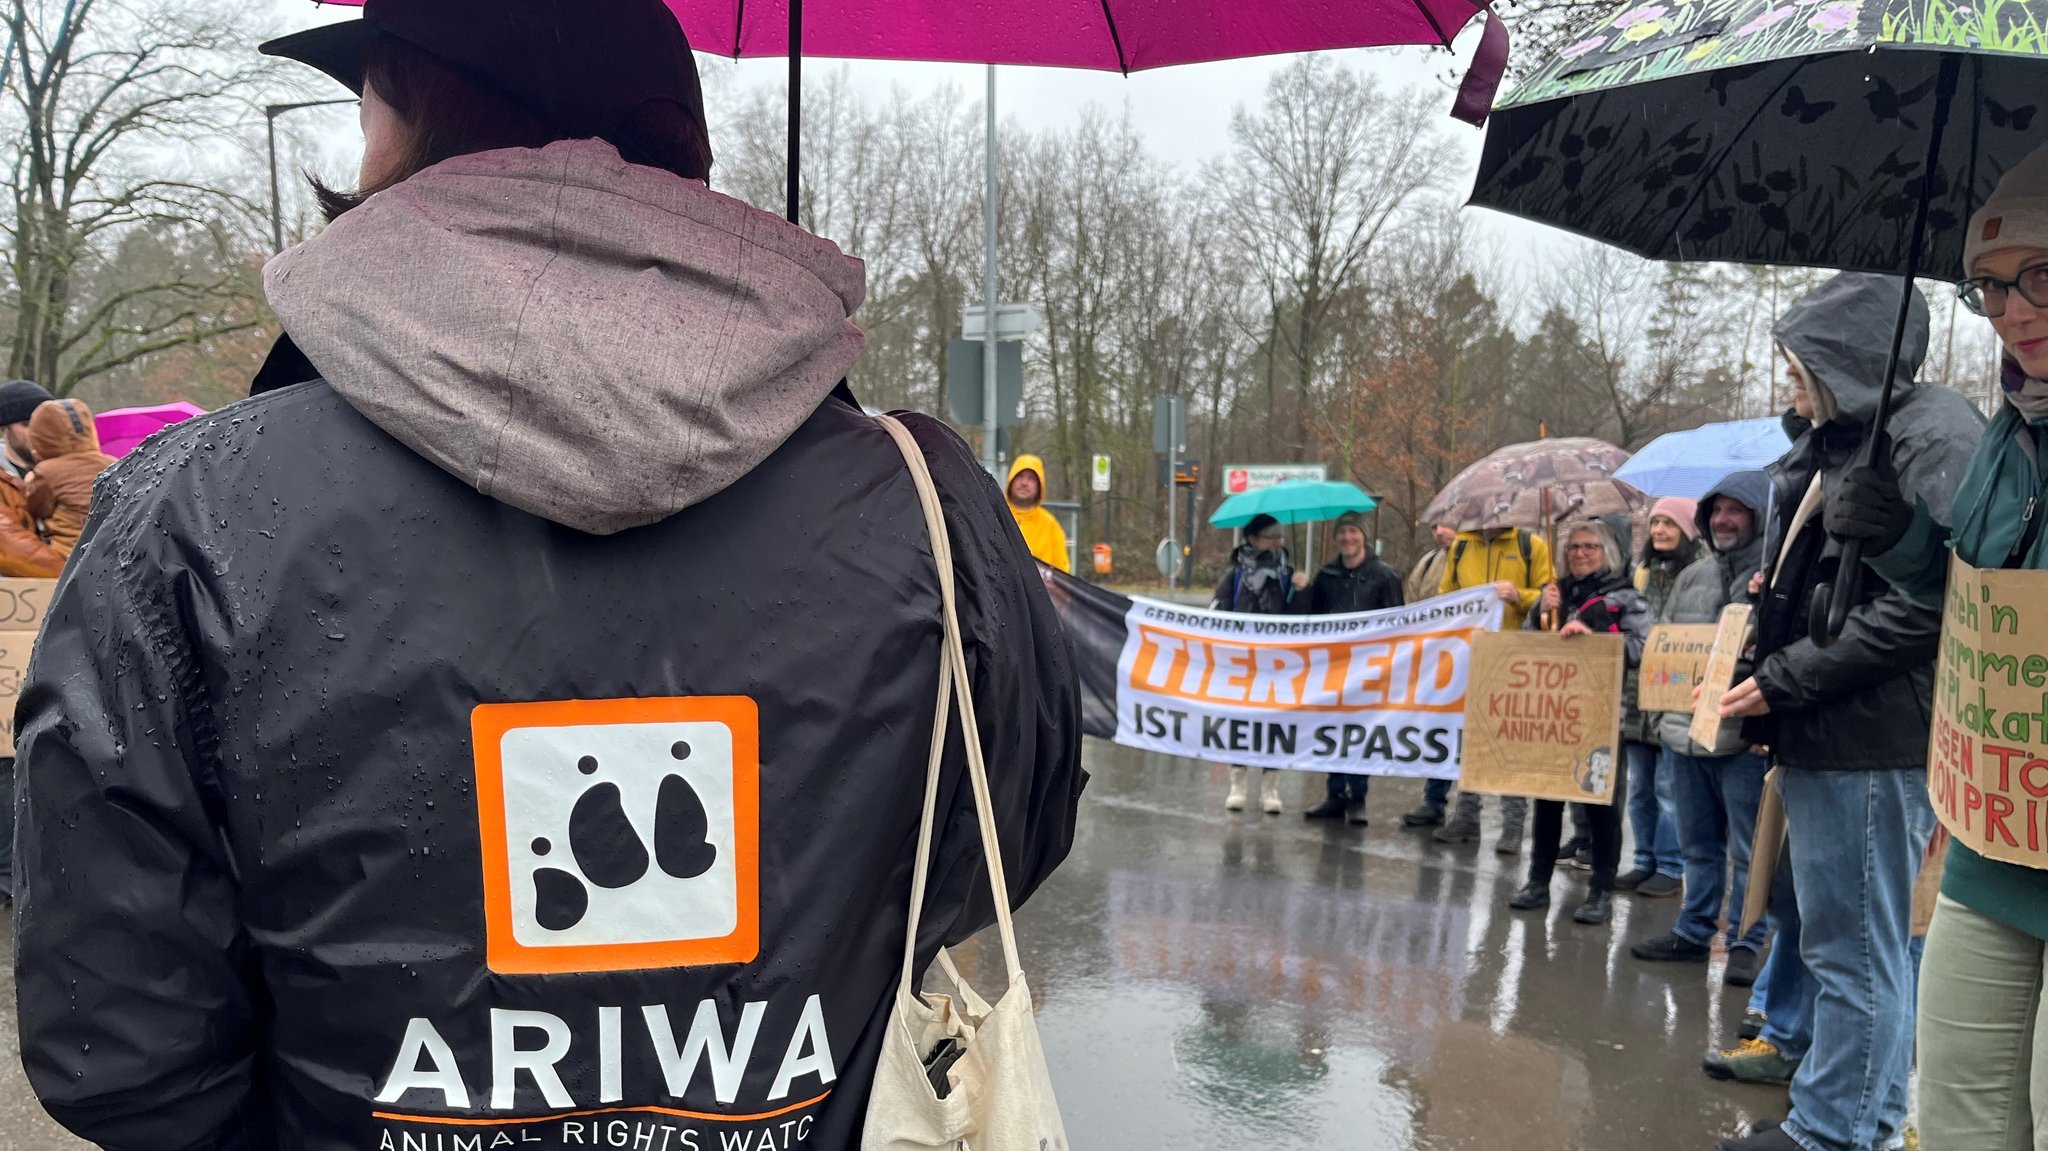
(22, 604)
(1543, 716)
(1729, 639)
(1376, 693)
(1674, 662)
(1987, 761)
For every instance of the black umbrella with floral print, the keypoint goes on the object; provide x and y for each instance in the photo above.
(1851, 134)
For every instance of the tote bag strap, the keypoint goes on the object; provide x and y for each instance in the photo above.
(952, 681)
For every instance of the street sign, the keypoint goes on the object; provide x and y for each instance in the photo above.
(1169, 425)
(1013, 322)
(964, 381)
(1186, 472)
(1169, 558)
(1241, 478)
(1099, 479)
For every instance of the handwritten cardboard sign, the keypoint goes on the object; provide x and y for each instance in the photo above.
(1674, 662)
(1987, 761)
(22, 605)
(15, 647)
(1729, 639)
(1543, 716)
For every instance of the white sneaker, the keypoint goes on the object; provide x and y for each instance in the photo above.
(1269, 791)
(1235, 800)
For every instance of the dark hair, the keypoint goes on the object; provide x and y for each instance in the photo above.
(449, 113)
(1258, 524)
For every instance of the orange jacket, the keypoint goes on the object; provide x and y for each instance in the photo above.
(68, 459)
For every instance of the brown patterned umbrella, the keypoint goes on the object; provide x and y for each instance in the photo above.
(1534, 485)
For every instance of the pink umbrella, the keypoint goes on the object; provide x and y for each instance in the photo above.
(123, 428)
(1107, 35)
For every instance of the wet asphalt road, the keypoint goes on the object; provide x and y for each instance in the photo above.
(1211, 981)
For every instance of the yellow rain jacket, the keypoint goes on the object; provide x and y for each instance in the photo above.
(1042, 531)
(1475, 563)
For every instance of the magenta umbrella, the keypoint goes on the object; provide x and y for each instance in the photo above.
(123, 428)
(1106, 35)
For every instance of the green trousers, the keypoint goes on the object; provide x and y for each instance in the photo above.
(1983, 1042)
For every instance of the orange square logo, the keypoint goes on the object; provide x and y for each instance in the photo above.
(619, 834)
(1992, 227)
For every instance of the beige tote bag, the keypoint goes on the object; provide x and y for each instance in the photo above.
(1000, 1096)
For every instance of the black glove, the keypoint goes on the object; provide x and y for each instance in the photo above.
(1867, 505)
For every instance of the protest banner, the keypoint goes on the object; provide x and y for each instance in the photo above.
(1376, 693)
(22, 604)
(1987, 760)
(1729, 640)
(1543, 716)
(1674, 662)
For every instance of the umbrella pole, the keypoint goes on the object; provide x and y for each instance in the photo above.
(1831, 603)
(796, 102)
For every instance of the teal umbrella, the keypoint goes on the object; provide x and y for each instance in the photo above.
(1295, 502)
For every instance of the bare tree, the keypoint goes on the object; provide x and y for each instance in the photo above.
(1316, 178)
(118, 114)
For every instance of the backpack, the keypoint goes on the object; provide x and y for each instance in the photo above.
(1522, 541)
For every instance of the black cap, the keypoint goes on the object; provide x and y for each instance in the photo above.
(582, 66)
(19, 400)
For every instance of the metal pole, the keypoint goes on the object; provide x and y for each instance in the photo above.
(270, 114)
(991, 420)
(276, 197)
(796, 103)
(1172, 490)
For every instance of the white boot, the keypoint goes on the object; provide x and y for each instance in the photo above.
(1235, 800)
(1269, 791)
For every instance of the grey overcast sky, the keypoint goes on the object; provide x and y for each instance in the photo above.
(1183, 113)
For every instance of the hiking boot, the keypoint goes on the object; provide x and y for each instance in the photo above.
(1331, 808)
(1571, 847)
(1743, 965)
(1424, 816)
(1673, 948)
(1532, 897)
(1632, 879)
(1355, 814)
(1458, 830)
(1596, 908)
(1659, 887)
(1269, 791)
(1754, 1061)
(1510, 841)
(1235, 800)
(1752, 1024)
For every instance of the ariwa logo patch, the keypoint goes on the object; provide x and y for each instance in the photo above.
(619, 834)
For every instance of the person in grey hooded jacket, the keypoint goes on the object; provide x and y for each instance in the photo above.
(1717, 788)
(1847, 721)
(401, 769)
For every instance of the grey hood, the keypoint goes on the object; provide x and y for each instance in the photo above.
(1752, 489)
(596, 342)
(1841, 333)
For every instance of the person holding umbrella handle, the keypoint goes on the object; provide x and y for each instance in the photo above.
(1983, 1068)
(1847, 723)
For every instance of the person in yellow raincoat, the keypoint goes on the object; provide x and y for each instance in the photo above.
(1042, 531)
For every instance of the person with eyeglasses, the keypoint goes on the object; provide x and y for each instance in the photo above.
(1983, 1049)
(1595, 596)
(1846, 720)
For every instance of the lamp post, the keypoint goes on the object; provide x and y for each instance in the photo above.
(270, 114)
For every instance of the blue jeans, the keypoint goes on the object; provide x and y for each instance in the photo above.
(1716, 801)
(1855, 845)
(1649, 811)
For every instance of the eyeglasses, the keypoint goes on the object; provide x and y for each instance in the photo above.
(1986, 295)
(1585, 547)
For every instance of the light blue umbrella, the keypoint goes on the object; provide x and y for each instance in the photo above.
(1688, 464)
(1295, 502)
